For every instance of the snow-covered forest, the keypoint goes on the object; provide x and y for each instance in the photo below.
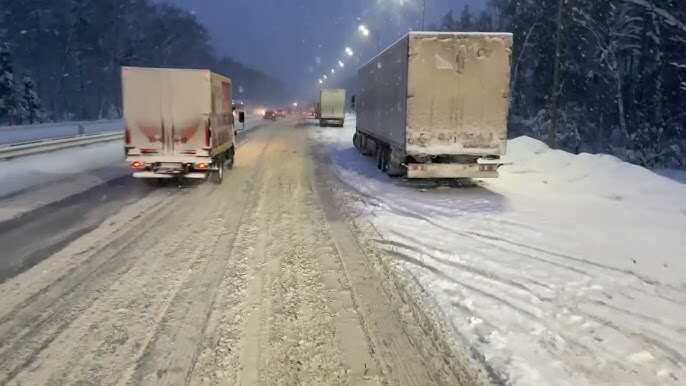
(61, 59)
(601, 76)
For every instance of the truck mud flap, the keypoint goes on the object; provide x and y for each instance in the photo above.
(451, 171)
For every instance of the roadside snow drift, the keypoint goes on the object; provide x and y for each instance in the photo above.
(567, 270)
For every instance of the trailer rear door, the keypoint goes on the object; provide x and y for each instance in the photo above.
(458, 93)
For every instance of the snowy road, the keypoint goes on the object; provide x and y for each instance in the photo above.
(309, 266)
(568, 270)
(261, 280)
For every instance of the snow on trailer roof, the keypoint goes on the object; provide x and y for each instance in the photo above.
(436, 33)
(129, 68)
(457, 33)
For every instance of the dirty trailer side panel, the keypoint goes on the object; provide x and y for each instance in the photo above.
(381, 104)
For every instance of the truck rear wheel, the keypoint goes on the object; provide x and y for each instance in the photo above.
(217, 176)
(382, 158)
(229, 163)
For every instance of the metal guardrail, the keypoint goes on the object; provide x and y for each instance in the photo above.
(44, 146)
(67, 124)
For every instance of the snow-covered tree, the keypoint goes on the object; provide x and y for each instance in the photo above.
(30, 103)
(448, 22)
(466, 19)
(615, 37)
(621, 75)
(8, 97)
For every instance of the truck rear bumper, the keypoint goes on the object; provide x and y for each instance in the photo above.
(197, 176)
(452, 171)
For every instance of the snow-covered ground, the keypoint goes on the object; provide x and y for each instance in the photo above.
(19, 174)
(567, 270)
(27, 133)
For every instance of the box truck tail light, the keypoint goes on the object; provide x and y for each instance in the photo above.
(201, 166)
(137, 165)
(208, 134)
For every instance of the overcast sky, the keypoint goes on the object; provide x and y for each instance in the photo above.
(299, 40)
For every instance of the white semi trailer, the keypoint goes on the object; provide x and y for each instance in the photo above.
(332, 107)
(179, 123)
(435, 105)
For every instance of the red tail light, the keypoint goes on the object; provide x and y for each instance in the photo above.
(208, 134)
(137, 165)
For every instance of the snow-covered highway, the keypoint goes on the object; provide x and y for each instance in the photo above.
(257, 281)
(567, 270)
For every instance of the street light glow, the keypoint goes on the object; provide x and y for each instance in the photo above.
(333, 71)
(321, 81)
(341, 64)
(363, 30)
(325, 77)
(349, 51)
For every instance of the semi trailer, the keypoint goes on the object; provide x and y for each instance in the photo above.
(435, 105)
(179, 123)
(332, 107)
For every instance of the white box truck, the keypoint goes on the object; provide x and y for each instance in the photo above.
(332, 107)
(435, 105)
(179, 123)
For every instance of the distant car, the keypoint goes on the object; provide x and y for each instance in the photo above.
(281, 113)
(270, 114)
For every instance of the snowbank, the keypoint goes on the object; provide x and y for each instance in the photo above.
(567, 270)
(28, 183)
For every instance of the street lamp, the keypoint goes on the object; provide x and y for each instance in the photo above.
(364, 31)
(341, 64)
(333, 71)
(349, 51)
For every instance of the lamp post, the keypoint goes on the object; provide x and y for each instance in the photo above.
(423, 13)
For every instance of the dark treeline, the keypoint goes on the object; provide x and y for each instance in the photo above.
(595, 76)
(61, 59)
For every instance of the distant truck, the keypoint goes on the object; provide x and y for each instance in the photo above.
(435, 105)
(270, 115)
(332, 107)
(179, 123)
